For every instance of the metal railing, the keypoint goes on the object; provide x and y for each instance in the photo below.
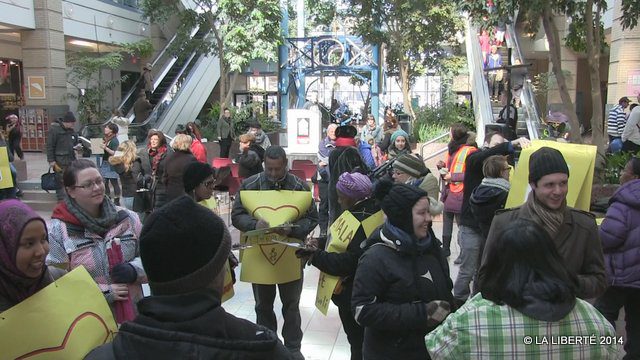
(528, 98)
(481, 101)
(434, 140)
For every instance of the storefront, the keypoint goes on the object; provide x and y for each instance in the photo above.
(11, 87)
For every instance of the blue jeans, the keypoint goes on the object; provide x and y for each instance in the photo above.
(470, 242)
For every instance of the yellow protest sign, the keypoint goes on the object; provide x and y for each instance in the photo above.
(372, 222)
(227, 290)
(266, 262)
(211, 204)
(581, 162)
(65, 320)
(342, 232)
(6, 180)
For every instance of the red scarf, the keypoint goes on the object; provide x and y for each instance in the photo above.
(345, 142)
(156, 155)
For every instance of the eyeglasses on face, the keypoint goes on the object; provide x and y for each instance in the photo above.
(90, 184)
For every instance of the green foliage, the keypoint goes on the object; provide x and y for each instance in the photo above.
(543, 82)
(85, 74)
(630, 13)
(143, 48)
(243, 30)
(614, 165)
(577, 36)
(241, 117)
(418, 35)
(433, 121)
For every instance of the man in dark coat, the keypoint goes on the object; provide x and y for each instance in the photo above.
(183, 319)
(62, 141)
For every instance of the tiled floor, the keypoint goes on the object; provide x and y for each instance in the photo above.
(324, 338)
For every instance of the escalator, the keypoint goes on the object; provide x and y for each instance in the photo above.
(485, 111)
(181, 86)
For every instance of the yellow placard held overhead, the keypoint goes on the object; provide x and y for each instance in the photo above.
(266, 262)
(342, 232)
(581, 162)
(6, 180)
(65, 320)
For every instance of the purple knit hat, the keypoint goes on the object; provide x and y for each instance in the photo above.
(14, 216)
(355, 185)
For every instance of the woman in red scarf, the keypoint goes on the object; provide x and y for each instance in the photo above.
(152, 168)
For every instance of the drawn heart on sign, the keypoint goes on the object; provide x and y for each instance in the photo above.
(273, 252)
(276, 215)
(88, 322)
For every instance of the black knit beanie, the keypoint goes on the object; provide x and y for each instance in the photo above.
(183, 246)
(545, 161)
(194, 174)
(411, 164)
(397, 200)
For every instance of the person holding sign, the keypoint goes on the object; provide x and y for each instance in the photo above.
(341, 258)
(574, 232)
(275, 177)
(184, 249)
(86, 224)
(402, 288)
(23, 249)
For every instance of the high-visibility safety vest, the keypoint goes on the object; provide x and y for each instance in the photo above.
(457, 165)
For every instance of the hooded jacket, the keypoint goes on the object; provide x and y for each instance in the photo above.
(190, 326)
(484, 202)
(620, 235)
(393, 284)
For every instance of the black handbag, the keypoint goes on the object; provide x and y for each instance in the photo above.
(49, 181)
(143, 199)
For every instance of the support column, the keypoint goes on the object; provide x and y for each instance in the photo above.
(43, 54)
(624, 61)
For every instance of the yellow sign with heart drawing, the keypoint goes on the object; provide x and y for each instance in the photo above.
(65, 320)
(266, 262)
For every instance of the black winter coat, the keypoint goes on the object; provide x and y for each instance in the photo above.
(250, 162)
(393, 284)
(190, 326)
(160, 194)
(175, 165)
(344, 264)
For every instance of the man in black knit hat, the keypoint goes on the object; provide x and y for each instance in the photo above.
(184, 248)
(574, 232)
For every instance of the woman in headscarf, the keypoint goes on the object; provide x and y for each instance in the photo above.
(402, 288)
(85, 224)
(153, 160)
(23, 249)
(354, 191)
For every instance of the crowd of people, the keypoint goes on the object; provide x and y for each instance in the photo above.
(529, 272)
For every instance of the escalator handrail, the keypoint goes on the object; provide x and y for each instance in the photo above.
(155, 109)
(528, 98)
(135, 86)
(482, 109)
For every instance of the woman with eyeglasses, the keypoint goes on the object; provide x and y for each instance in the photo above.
(85, 224)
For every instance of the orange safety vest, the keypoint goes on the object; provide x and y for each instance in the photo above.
(458, 165)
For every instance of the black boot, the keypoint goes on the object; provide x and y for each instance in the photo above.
(446, 246)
